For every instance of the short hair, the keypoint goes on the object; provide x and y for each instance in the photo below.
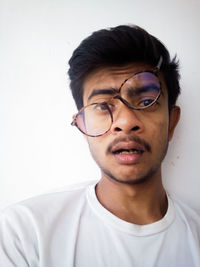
(117, 46)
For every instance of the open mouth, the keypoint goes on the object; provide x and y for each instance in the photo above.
(128, 151)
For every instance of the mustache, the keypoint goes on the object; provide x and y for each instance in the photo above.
(135, 139)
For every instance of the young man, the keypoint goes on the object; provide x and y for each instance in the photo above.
(125, 86)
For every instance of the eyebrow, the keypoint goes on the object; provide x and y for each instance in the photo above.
(113, 91)
(143, 89)
(106, 91)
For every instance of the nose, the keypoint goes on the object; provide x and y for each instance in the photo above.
(127, 120)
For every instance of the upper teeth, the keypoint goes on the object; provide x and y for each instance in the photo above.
(130, 151)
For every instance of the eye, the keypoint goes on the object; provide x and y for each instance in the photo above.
(149, 105)
(148, 99)
(101, 106)
(146, 102)
(105, 106)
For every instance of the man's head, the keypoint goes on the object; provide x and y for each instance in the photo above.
(105, 65)
(120, 46)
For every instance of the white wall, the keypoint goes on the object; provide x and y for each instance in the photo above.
(39, 150)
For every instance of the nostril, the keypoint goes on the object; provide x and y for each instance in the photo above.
(117, 129)
(136, 128)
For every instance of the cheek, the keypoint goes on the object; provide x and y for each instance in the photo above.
(96, 146)
(160, 131)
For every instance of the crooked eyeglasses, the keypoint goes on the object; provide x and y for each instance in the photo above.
(138, 92)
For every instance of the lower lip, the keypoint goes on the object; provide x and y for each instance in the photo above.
(128, 159)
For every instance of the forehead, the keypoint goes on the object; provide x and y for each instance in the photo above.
(110, 77)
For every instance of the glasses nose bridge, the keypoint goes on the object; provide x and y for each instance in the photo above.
(124, 101)
(122, 91)
(119, 112)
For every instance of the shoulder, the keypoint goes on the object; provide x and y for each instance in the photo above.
(33, 224)
(186, 214)
(48, 205)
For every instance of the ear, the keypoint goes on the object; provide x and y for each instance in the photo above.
(174, 117)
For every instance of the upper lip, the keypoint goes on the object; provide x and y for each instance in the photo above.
(127, 146)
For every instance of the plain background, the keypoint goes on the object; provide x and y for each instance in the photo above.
(39, 150)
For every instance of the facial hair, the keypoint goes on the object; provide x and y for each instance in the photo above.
(138, 180)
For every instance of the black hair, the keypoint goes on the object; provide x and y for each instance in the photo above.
(118, 46)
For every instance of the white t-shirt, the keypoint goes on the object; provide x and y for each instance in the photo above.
(71, 228)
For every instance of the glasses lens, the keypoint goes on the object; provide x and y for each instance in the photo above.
(95, 119)
(141, 90)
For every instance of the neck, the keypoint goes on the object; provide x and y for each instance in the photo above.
(139, 203)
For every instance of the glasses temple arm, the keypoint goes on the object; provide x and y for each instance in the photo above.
(159, 63)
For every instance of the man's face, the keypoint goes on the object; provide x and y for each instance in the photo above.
(133, 149)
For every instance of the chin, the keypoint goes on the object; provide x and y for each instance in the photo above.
(138, 179)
